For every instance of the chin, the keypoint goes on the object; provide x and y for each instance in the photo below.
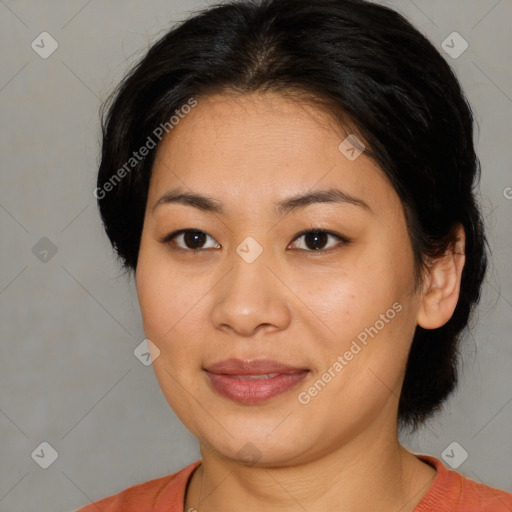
(251, 445)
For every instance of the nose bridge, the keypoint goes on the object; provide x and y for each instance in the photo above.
(250, 262)
(250, 279)
(250, 294)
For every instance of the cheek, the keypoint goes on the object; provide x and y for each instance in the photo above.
(162, 292)
(349, 300)
(172, 309)
(369, 314)
(156, 300)
(166, 305)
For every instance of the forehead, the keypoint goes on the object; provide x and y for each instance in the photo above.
(247, 147)
(234, 126)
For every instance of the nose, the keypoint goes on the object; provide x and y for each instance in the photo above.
(251, 298)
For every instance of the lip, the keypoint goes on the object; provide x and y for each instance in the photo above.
(238, 379)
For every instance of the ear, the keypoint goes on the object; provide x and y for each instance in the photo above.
(442, 285)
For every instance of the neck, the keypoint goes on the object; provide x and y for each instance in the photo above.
(369, 473)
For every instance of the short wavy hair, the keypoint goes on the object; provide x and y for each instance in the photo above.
(372, 71)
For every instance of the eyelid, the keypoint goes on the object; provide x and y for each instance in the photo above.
(341, 239)
(171, 236)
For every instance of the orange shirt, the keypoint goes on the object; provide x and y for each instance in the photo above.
(450, 492)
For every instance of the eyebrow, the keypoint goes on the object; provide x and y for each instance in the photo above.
(208, 204)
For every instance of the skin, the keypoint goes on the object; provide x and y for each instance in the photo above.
(293, 304)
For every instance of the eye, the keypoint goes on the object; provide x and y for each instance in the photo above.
(192, 238)
(316, 239)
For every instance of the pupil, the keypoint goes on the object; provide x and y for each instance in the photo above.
(315, 235)
(194, 239)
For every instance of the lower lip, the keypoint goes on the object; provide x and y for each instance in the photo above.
(254, 391)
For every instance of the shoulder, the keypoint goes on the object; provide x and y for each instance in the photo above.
(454, 492)
(167, 491)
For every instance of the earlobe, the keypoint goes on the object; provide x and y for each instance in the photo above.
(442, 285)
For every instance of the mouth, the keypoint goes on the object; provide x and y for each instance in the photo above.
(253, 381)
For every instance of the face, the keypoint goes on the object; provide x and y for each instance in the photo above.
(323, 288)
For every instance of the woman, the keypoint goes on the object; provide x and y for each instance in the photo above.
(292, 184)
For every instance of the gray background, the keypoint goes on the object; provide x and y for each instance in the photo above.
(69, 325)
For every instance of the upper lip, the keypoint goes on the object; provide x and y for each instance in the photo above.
(251, 367)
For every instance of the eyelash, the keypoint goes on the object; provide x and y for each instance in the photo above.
(168, 239)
